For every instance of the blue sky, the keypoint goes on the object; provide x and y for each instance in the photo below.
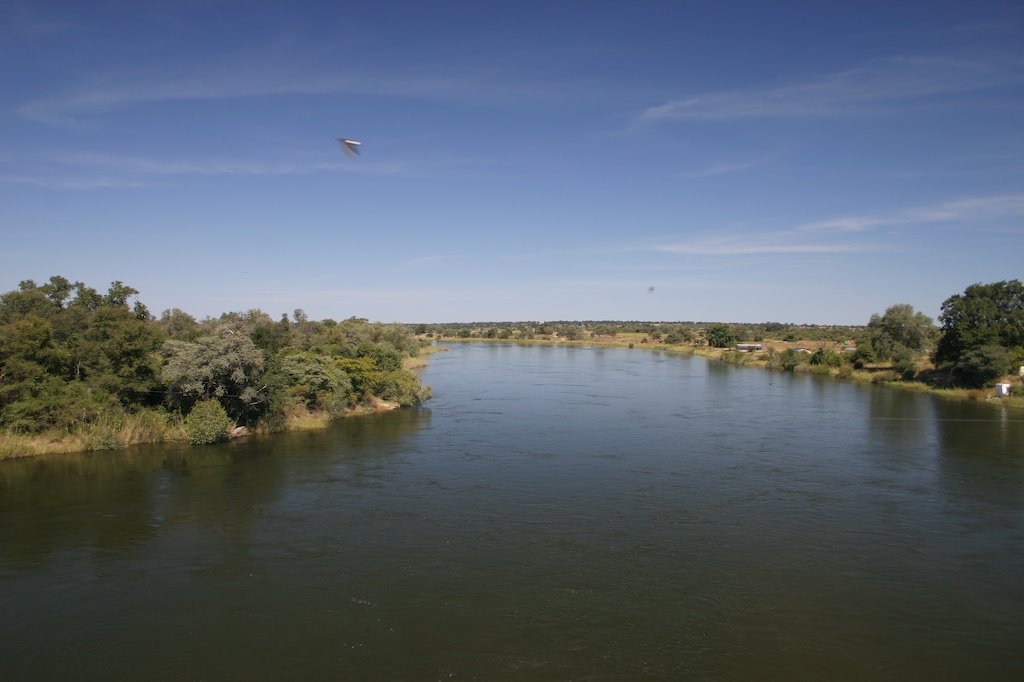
(799, 162)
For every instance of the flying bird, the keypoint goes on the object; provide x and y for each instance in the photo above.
(650, 290)
(350, 147)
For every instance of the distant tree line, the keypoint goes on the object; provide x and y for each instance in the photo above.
(981, 337)
(72, 358)
(680, 332)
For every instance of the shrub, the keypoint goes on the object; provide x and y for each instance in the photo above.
(207, 423)
(905, 364)
(826, 357)
(790, 359)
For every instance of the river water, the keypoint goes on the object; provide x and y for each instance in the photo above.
(553, 513)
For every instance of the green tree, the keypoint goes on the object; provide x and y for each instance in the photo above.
(826, 357)
(720, 335)
(225, 365)
(316, 379)
(897, 329)
(179, 325)
(983, 317)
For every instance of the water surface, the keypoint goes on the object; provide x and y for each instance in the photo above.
(552, 513)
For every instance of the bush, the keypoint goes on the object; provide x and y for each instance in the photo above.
(905, 364)
(207, 423)
(790, 359)
(826, 357)
(399, 386)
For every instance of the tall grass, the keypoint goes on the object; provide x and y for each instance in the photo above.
(110, 431)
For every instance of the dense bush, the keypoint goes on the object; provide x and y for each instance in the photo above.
(207, 422)
(825, 357)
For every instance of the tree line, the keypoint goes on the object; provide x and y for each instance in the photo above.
(74, 360)
(980, 337)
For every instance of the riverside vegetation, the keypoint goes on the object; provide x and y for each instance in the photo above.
(81, 370)
(980, 341)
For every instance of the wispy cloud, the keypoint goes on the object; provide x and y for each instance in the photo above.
(78, 171)
(722, 168)
(66, 182)
(972, 210)
(111, 93)
(875, 84)
(745, 246)
(818, 237)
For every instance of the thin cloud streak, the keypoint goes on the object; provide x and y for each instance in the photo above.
(876, 83)
(120, 93)
(55, 182)
(970, 210)
(723, 168)
(740, 249)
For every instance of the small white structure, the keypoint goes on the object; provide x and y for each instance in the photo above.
(1002, 390)
(745, 347)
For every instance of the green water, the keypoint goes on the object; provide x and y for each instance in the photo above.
(552, 514)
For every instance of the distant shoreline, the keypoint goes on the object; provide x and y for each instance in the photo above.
(879, 374)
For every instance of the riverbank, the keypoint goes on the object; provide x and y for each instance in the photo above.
(881, 373)
(157, 426)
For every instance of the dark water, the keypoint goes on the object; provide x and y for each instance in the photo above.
(552, 514)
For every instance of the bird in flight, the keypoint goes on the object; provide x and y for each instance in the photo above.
(650, 290)
(350, 147)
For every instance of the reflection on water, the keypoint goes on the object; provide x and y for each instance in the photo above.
(556, 513)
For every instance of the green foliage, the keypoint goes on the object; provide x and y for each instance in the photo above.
(680, 334)
(826, 358)
(982, 365)
(54, 403)
(225, 365)
(207, 422)
(178, 325)
(905, 364)
(399, 386)
(974, 324)
(92, 365)
(787, 361)
(865, 353)
(317, 380)
(720, 335)
(899, 329)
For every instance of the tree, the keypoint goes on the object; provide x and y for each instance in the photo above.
(974, 324)
(981, 365)
(899, 329)
(720, 335)
(225, 365)
(317, 379)
(179, 325)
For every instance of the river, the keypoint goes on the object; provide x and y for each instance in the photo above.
(553, 513)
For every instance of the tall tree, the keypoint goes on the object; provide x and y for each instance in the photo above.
(225, 365)
(983, 317)
(899, 329)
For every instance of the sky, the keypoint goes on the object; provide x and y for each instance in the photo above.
(805, 162)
